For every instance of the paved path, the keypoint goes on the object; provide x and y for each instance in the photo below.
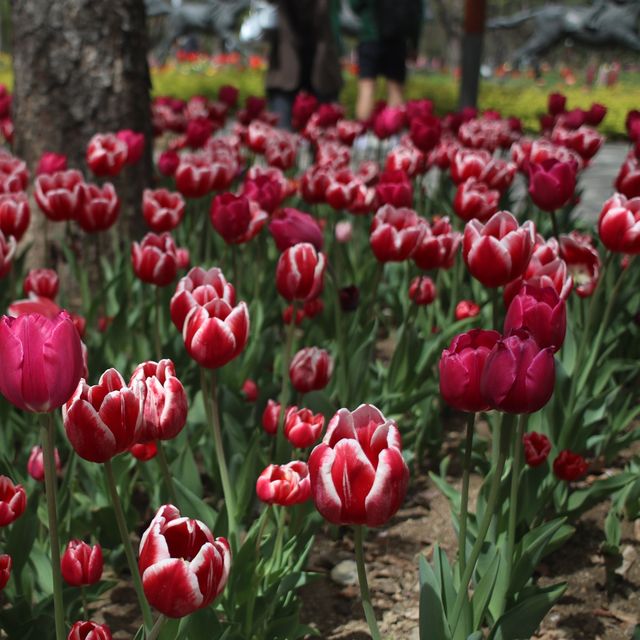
(597, 180)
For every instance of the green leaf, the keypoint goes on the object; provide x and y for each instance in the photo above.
(532, 548)
(433, 623)
(482, 593)
(522, 620)
(194, 507)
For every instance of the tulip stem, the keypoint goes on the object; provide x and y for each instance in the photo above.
(284, 392)
(47, 434)
(489, 511)
(464, 496)
(210, 398)
(166, 474)
(157, 627)
(513, 498)
(128, 548)
(495, 307)
(343, 362)
(85, 604)
(554, 224)
(369, 613)
(156, 332)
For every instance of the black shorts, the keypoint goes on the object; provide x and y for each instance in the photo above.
(385, 58)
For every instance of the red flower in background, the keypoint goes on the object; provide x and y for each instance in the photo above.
(99, 208)
(300, 272)
(106, 154)
(284, 484)
(14, 214)
(569, 466)
(310, 369)
(537, 448)
(42, 282)
(155, 259)
(81, 564)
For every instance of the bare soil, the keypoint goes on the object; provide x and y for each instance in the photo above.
(587, 611)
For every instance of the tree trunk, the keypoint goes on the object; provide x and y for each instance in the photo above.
(80, 67)
(474, 19)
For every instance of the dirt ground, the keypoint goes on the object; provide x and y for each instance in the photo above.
(586, 611)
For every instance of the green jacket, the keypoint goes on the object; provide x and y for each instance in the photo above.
(367, 11)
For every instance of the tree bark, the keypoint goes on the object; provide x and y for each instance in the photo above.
(80, 67)
(474, 20)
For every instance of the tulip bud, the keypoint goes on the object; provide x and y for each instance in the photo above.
(344, 231)
(284, 484)
(349, 298)
(235, 219)
(358, 474)
(42, 282)
(51, 163)
(155, 260)
(302, 428)
(89, 630)
(228, 95)
(134, 142)
(395, 233)
(41, 360)
(144, 451)
(270, 417)
(583, 262)
(542, 312)
(164, 400)
(466, 309)
(35, 464)
(499, 251)
(183, 567)
(310, 369)
(518, 376)
(5, 570)
(163, 210)
(216, 333)
(438, 246)
(104, 420)
(569, 466)
(199, 288)
(557, 103)
(59, 195)
(291, 227)
(106, 154)
(250, 390)
(536, 448)
(99, 208)
(551, 183)
(619, 224)
(394, 188)
(14, 214)
(474, 199)
(168, 162)
(269, 190)
(300, 272)
(461, 368)
(422, 290)
(13, 501)
(81, 564)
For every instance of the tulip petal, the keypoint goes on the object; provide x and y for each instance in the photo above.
(389, 488)
(172, 587)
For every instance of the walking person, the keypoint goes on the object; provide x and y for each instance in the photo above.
(304, 56)
(389, 33)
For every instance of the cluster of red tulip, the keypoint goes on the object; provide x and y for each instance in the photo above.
(371, 241)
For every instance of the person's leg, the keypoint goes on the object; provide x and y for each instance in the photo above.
(395, 93)
(394, 69)
(368, 70)
(366, 98)
(281, 102)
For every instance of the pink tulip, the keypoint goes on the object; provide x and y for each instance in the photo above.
(285, 484)
(518, 376)
(41, 361)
